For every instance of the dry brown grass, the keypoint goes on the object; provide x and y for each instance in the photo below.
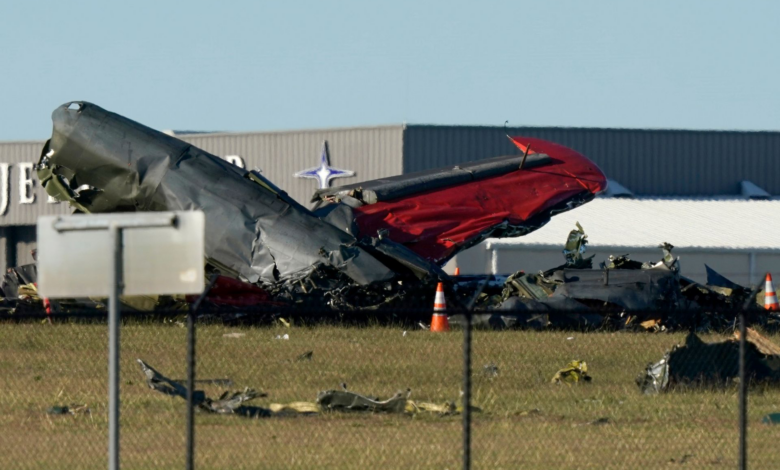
(43, 365)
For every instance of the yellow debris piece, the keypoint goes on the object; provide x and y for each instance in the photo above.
(297, 407)
(574, 372)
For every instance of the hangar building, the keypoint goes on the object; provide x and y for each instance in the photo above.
(646, 165)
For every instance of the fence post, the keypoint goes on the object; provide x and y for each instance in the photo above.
(467, 391)
(190, 465)
(114, 311)
(743, 379)
(190, 457)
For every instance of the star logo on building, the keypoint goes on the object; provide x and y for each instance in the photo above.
(324, 173)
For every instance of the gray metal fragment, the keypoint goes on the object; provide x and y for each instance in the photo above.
(253, 229)
(343, 400)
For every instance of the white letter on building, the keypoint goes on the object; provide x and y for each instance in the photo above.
(4, 187)
(26, 184)
(236, 160)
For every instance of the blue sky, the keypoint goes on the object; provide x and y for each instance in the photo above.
(283, 65)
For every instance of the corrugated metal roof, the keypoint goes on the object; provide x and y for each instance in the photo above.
(685, 223)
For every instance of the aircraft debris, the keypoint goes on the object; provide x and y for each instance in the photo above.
(490, 370)
(620, 294)
(72, 409)
(362, 247)
(374, 245)
(305, 356)
(597, 422)
(344, 400)
(234, 335)
(294, 408)
(700, 364)
(230, 402)
(771, 418)
(233, 402)
(574, 372)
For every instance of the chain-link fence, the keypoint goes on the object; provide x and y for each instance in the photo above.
(303, 393)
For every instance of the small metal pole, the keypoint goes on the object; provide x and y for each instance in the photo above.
(525, 155)
(190, 389)
(115, 278)
(190, 458)
(743, 379)
(467, 392)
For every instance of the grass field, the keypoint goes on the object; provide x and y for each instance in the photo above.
(526, 422)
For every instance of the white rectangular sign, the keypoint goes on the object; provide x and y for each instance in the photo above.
(156, 260)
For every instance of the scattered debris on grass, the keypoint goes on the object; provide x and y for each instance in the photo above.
(697, 364)
(72, 409)
(344, 400)
(490, 370)
(771, 418)
(234, 402)
(574, 372)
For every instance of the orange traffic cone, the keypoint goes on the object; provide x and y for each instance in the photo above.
(457, 271)
(770, 297)
(439, 321)
(47, 307)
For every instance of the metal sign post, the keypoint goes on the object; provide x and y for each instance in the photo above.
(743, 379)
(162, 246)
(115, 280)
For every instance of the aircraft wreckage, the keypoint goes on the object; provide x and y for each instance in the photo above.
(371, 241)
(368, 246)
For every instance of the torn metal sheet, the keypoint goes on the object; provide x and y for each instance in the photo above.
(102, 162)
(440, 212)
(228, 403)
(161, 383)
(344, 400)
(656, 377)
(645, 289)
(575, 248)
(700, 364)
(573, 295)
(16, 277)
(719, 283)
(231, 402)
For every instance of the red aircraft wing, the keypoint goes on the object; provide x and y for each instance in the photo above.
(438, 223)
